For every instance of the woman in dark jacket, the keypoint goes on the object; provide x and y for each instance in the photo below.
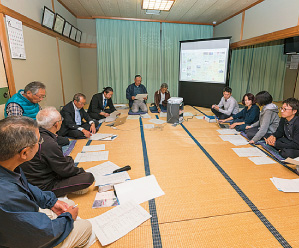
(249, 115)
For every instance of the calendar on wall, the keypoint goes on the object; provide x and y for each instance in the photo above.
(16, 38)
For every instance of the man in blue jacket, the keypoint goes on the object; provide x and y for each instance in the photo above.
(22, 225)
(133, 90)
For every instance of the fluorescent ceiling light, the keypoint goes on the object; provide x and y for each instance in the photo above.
(157, 4)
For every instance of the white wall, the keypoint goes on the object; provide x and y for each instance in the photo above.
(231, 27)
(263, 18)
(88, 28)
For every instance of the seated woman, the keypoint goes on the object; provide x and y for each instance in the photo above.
(161, 97)
(101, 105)
(248, 116)
(268, 121)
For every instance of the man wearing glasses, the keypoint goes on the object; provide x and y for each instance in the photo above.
(25, 102)
(49, 169)
(286, 137)
(73, 115)
(22, 205)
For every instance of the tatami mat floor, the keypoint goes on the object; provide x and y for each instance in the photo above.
(200, 207)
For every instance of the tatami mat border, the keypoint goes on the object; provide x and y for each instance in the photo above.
(254, 209)
(199, 111)
(157, 243)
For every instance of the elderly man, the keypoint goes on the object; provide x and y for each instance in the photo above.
(25, 103)
(22, 223)
(73, 115)
(133, 90)
(49, 169)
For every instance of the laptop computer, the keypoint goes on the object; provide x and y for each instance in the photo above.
(223, 125)
(119, 121)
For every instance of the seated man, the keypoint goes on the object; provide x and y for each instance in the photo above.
(49, 169)
(227, 106)
(286, 137)
(161, 97)
(25, 103)
(132, 91)
(101, 105)
(22, 223)
(73, 115)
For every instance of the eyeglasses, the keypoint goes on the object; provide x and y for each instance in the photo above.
(61, 120)
(285, 109)
(40, 96)
(41, 140)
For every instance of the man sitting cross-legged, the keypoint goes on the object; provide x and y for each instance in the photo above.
(49, 169)
(286, 137)
(22, 225)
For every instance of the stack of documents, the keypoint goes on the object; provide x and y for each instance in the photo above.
(227, 131)
(100, 136)
(157, 121)
(286, 185)
(93, 148)
(236, 140)
(103, 174)
(91, 156)
(118, 221)
(187, 114)
(254, 154)
(133, 117)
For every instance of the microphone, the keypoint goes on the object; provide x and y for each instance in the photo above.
(126, 168)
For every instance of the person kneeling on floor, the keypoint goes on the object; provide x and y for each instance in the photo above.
(286, 137)
(49, 169)
(23, 223)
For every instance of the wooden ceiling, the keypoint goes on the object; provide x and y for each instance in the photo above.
(199, 11)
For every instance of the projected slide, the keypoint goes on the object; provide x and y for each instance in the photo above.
(204, 61)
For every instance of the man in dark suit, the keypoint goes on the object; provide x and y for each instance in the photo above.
(73, 114)
(101, 105)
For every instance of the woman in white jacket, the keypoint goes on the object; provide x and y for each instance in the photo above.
(268, 121)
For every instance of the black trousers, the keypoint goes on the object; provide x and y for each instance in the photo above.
(72, 184)
(289, 153)
(220, 115)
(77, 134)
(251, 132)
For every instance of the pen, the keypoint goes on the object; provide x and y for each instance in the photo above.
(75, 206)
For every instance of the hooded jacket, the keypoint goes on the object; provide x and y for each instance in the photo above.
(268, 122)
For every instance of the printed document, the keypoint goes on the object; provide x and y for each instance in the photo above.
(103, 169)
(249, 152)
(118, 221)
(133, 117)
(227, 131)
(146, 116)
(93, 148)
(138, 190)
(286, 185)
(140, 96)
(100, 136)
(262, 160)
(163, 114)
(236, 140)
(112, 179)
(149, 126)
(157, 121)
(91, 156)
(187, 114)
(105, 199)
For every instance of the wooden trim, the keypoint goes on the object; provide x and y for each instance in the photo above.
(281, 34)
(242, 25)
(34, 25)
(147, 20)
(6, 57)
(84, 17)
(53, 7)
(67, 8)
(250, 6)
(60, 69)
(88, 45)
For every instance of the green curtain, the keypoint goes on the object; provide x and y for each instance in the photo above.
(172, 33)
(258, 67)
(124, 49)
(127, 48)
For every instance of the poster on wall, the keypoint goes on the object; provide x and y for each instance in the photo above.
(16, 38)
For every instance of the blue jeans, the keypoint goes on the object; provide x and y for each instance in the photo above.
(155, 109)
